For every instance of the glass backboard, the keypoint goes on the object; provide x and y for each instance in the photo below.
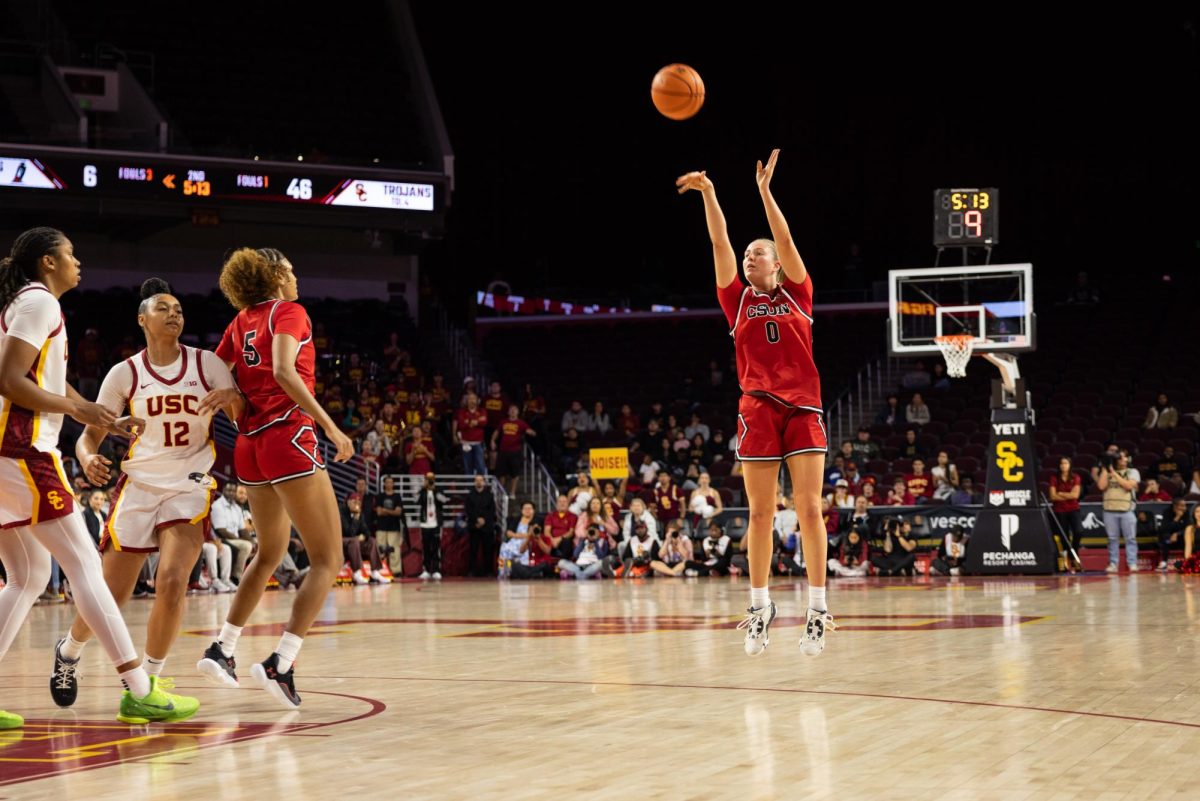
(993, 305)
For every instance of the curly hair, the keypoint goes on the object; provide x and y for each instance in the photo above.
(20, 266)
(251, 276)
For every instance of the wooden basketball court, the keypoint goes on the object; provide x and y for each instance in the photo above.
(1050, 688)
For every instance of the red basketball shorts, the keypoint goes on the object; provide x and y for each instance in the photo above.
(769, 430)
(287, 450)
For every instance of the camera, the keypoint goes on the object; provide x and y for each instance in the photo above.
(1107, 461)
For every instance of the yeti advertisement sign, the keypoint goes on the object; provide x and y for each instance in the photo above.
(1012, 532)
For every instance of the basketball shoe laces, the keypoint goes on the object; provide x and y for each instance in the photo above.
(64, 673)
(755, 621)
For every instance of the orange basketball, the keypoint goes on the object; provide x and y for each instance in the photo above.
(677, 91)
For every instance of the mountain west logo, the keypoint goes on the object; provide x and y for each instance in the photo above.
(1009, 525)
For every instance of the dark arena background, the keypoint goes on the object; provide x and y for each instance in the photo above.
(479, 205)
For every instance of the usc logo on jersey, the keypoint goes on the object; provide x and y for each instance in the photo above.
(172, 404)
(55, 500)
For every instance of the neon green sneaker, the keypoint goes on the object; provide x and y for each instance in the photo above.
(159, 705)
(10, 721)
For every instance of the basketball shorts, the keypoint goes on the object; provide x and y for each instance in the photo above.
(33, 490)
(287, 450)
(139, 512)
(769, 430)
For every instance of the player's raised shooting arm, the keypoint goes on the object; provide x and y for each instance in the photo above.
(785, 246)
(724, 259)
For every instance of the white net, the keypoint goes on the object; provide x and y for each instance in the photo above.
(957, 352)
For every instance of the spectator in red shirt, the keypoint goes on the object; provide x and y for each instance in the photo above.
(441, 395)
(1154, 493)
(668, 497)
(899, 495)
(627, 421)
(469, 425)
(559, 526)
(919, 483)
(414, 412)
(1065, 489)
(495, 405)
(419, 454)
(508, 440)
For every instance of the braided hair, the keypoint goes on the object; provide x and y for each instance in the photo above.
(20, 266)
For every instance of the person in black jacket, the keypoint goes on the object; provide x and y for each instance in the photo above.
(358, 541)
(481, 527)
(93, 514)
(431, 516)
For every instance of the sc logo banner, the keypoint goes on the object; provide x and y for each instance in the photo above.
(1008, 461)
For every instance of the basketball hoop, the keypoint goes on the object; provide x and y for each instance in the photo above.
(957, 351)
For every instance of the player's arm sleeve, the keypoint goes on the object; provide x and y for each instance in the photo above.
(36, 315)
(117, 388)
(215, 371)
(730, 298)
(226, 351)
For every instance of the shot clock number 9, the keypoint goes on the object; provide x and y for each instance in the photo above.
(966, 217)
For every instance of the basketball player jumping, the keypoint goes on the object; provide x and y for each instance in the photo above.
(779, 414)
(269, 347)
(37, 509)
(162, 500)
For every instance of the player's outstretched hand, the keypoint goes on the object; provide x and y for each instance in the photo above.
(766, 173)
(128, 426)
(95, 467)
(93, 414)
(344, 445)
(693, 180)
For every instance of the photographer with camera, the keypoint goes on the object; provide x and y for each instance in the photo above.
(537, 559)
(674, 553)
(1118, 481)
(896, 557)
(715, 553)
(590, 551)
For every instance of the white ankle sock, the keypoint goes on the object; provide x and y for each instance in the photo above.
(228, 639)
(137, 682)
(759, 597)
(816, 598)
(288, 648)
(71, 649)
(153, 666)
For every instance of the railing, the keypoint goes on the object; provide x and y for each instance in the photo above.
(538, 482)
(866, 391)
(455, 487)
(461, 350)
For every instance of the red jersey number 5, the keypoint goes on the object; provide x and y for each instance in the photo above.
(249, 354)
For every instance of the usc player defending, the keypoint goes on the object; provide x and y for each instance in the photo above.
(164, 496)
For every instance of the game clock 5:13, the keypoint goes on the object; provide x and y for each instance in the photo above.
(966, 217)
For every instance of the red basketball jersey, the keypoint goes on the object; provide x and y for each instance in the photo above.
(247, 344)
(772, 336)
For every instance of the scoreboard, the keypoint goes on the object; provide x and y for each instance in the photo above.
(367, 196)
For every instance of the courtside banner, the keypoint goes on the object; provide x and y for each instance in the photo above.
(609, 462)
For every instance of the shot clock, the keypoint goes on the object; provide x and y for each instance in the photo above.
(966, 217)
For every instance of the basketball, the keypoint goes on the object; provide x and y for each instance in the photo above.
(677, 91)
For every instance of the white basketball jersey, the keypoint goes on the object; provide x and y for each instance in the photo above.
(35, 317)
(176, 450)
